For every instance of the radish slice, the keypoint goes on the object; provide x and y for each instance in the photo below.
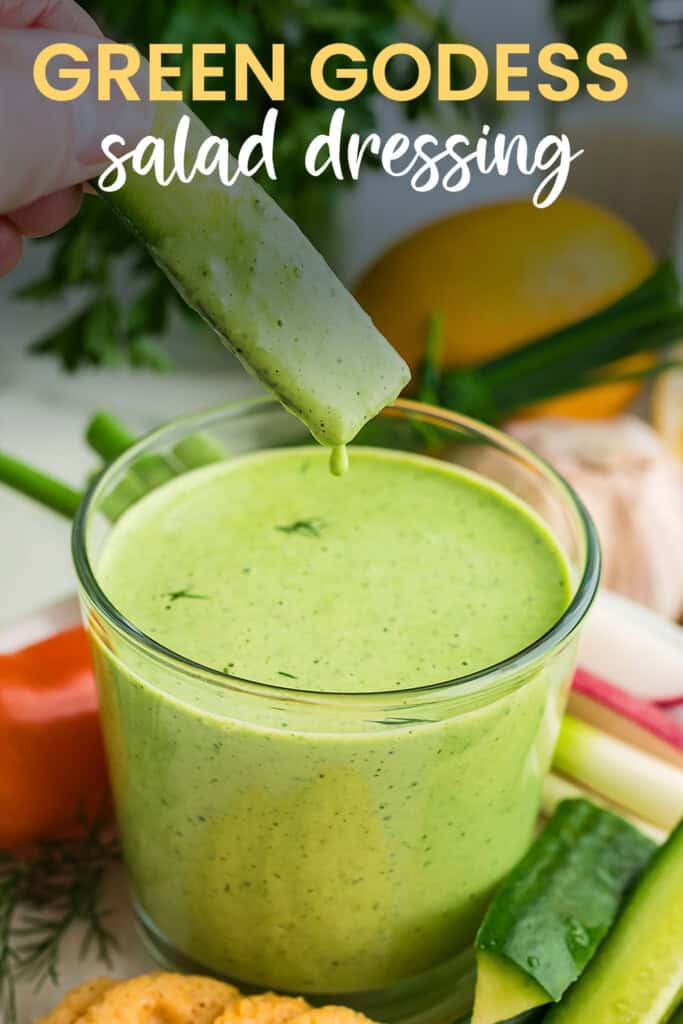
(626, 717)
(634, 648)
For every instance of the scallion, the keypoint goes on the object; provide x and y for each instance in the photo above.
(629, 778)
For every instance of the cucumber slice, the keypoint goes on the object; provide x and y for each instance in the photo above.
(549, 916)
(502, 988)
(237, 259)
(637, 977)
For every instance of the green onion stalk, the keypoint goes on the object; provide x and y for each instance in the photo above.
(649, 788)
(109, 438)
(583, 355)
(40, 486)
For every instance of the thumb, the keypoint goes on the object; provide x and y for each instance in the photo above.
(45, 145)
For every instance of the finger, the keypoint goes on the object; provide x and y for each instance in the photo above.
(10, 246)
(43, 216)
(60, 15)
(46, 146)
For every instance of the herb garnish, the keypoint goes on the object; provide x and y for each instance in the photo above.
(177, 595)
(287, 675)
(307, 527)
(400, 721)
(41, 897)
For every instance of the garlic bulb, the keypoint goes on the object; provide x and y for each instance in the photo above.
(633, 488)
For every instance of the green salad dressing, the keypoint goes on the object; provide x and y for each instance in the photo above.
(406, 572)
(327, 852)
(339, 460)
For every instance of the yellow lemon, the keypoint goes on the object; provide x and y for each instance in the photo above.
(503, 275)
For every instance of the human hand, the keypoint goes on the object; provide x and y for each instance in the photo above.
(48, 149)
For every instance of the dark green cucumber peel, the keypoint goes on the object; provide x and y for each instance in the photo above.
(550, 915)
(637, 976)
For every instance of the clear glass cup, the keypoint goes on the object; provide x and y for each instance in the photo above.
(227, 875)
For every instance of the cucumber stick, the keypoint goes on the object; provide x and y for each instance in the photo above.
(549, 916)
(240, 261)
(637, 976)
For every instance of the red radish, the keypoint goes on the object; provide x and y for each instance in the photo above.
(670, 702)
(643, 652)
(626, 717)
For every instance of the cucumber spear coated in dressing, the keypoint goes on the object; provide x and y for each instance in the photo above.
(240, 261)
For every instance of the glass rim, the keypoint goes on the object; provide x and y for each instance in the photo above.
(519, 662)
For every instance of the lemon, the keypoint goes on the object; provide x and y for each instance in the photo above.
(503, 275)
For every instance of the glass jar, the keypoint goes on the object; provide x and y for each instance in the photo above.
(339, 845)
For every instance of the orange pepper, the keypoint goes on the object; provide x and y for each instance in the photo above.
(52, 766)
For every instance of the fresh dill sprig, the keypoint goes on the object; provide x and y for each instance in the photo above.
(307, 527)
(42, 896)
(400, 721)
(185, 595)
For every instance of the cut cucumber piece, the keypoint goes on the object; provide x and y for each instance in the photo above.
(549, 916)
(637, 976)
(503, 988)
(240, 261)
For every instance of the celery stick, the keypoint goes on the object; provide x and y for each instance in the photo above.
(237, 259)
(644, 785)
